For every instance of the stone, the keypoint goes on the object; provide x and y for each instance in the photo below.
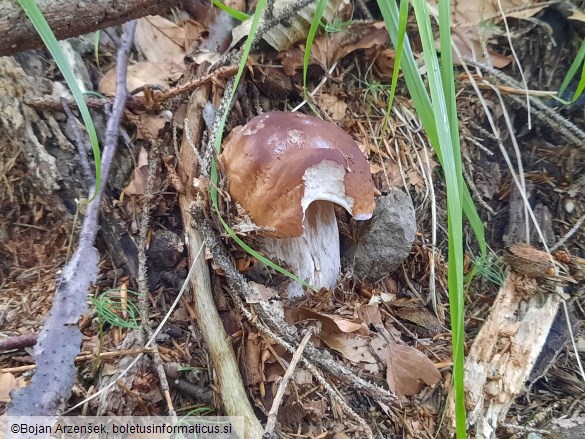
(387, 240)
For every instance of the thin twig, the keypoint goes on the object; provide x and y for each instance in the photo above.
(18, 342)
(143, 276)
(271, 422)
(568, 235)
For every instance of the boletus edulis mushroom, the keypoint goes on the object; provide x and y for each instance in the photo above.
(287, 170)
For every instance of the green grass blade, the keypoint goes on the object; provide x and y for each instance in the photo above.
(577, 62)
(96, 47)
(402, 22)
(310, 38)
(438, 113)
(238, 15)
(455, 184)
(424, 109)
(42, 27)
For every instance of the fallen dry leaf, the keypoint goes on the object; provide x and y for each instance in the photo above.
(353, 347)
(252, 359)
(469, 32)
(328, 49)
(407, 369)
(415, 312)
(333, 106)
(329, 323)
(7, 383)
(141, 74)
(137, 185)
(473, 12)
(370, 314)
(162, 41)
(384, 62)
(415, 179)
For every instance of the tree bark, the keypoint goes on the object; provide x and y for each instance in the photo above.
(69, 19)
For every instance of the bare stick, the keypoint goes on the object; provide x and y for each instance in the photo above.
(18, 342)
(233, 394)
(143, 277)
(271, 423)
(66, 21)
(60, 338)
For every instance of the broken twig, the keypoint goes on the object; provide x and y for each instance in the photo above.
(60, 338)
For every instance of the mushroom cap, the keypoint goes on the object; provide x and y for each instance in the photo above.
(279, 163)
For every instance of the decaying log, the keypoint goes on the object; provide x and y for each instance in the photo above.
(504, 353)
(69, 19)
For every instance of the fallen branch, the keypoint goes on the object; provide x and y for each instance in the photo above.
(60, 339)
(69, 19)
(233, 394)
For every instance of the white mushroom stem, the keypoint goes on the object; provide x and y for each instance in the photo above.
(313, 257)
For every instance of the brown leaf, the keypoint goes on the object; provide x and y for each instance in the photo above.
(468, 31)
(407, 369)
(138, 183)
(174, 178)
(252, 359)
(353, 347)
(7, 384)
(384, 62)
(415, 312)
(162, 41)
(333, 106)
(141, 74)
(370, 314)
(330, 323)
(415, 179)
(328, 49)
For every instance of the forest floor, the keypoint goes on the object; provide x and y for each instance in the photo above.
(392, 332)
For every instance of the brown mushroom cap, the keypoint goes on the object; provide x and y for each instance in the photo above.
(279, 163)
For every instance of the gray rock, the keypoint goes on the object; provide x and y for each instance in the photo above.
(387, 240)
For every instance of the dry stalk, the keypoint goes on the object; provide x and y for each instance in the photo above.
(271, 422)
(143, 276)
(233, 394)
